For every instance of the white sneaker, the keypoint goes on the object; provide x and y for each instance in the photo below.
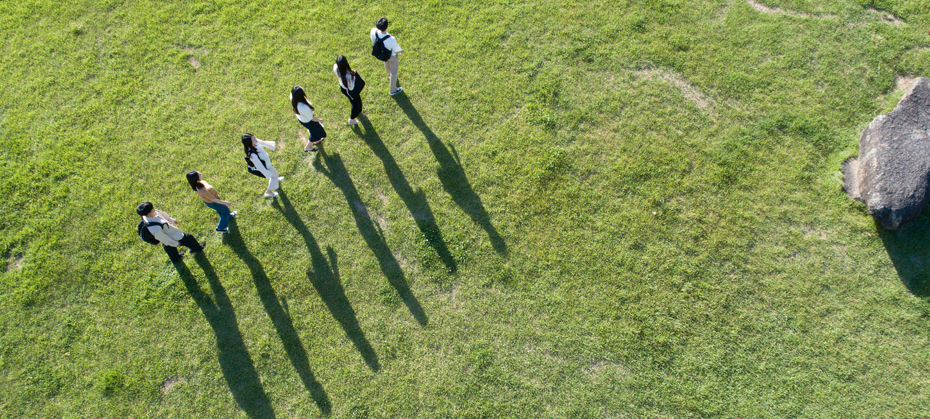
(234, 213)
(271, 195)
(280, 178)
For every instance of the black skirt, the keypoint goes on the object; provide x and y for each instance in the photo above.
(316, 131)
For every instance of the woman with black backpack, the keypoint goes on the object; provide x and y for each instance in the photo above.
(351, 85)
(258, 162)
(303, 109)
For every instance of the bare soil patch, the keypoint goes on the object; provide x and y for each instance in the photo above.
(687, 90)
(13, 261)
(769, 10)
(904, 81)
(169, 384)
(886, 17)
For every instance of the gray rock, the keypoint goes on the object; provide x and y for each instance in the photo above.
(892, 173)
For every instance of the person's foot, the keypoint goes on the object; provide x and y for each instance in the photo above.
(280, 178)
(399, 89)
(233, 214)
(225, 230)
(311, 149)
(202, 246)
(353, 122)
(274, 194)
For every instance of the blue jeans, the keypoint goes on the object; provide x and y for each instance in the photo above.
(225, 216)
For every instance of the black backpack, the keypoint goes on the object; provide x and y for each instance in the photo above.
(379, 50)
(144, 232)
(251, 166)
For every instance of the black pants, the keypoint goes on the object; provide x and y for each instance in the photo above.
(355, 96)
(188, 241)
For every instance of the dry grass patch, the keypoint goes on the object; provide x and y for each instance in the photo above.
(769, 10)
(689, 92)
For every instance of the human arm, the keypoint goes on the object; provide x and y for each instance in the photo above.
(267, 144)
(164, 215)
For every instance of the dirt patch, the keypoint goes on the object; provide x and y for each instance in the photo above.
(769, 10)
(382, 223)
(687, 90)
(193, 61)
(850, 169)
(601, 366)
(885, 16)
(13, 261)
(383, 197)
(169, 384)
(904, 82)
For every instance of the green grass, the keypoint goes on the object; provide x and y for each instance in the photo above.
(577, 209)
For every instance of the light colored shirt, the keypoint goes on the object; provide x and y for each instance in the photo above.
(207, 193)
(167, 234)
(390, 43)
(350, 79)
(304, 113)
(260, 155)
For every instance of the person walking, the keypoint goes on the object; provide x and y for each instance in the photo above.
(379, 34)
(211, 198)
(259, 163)
(303, 109)
(351, 85)
(164, 229)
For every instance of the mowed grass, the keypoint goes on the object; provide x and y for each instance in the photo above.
(576, 209)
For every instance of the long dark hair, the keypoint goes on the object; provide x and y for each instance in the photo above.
(342, 64)
(194, 179)
(297, 97)
(247, 143)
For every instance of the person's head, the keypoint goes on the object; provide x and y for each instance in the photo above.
(298, 97)
(145, 208)
(382, 24)
(193, 178)
(248, 142)
(343, 64)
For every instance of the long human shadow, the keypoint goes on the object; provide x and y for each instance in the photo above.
(324, 276)
(415, 201)
(336, 172)
(235, 362)
(909, 251)
(453, 177)
(281, 319)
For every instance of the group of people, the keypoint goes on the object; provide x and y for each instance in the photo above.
(157, 227)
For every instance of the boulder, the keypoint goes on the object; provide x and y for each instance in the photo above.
(892, 173)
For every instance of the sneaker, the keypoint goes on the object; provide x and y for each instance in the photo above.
(182, 252)
(353, 122)
(399, 89)
(271, 195)
(202, 246)
(225, 230)
(280, 178)
(233, 214)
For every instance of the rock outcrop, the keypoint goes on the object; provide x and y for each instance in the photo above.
(892, 173)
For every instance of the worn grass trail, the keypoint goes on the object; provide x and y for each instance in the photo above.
(575, 209)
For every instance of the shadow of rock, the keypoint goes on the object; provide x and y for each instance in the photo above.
(235, 362)
(909, 251)
(324, 276)
(452, 176)
(281, 320)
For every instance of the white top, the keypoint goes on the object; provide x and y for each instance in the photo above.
(349, 78)
(304, 113)
(167, 234)
(390, 43)
(260, 155)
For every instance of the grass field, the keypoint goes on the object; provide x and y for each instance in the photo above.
(575, 209)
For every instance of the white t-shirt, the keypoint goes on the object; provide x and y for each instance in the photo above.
(350, 79)
(304, 113)
(390, 43)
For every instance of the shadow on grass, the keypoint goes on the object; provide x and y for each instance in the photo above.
(336, 172)
(235, 362)
(281, 319)
(324, 275)
(415, 201)
(909, 251)
(453, 177)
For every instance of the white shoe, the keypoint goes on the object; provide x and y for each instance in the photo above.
(280, 178)
(271, 195)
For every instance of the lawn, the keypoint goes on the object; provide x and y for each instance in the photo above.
(574, 209)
